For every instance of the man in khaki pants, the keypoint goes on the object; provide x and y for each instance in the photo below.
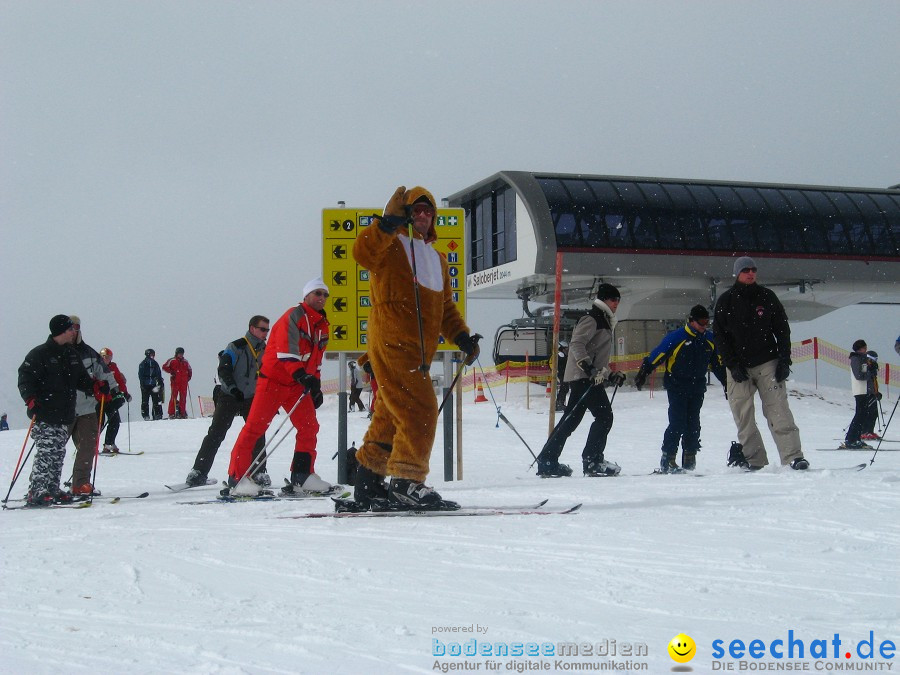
(754, 338)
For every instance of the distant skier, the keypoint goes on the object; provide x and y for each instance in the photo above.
(111, 413)
(868, 428)
(863, 388)
(688, 353)
(150, 379)
(180, 374)
(4, 425)
(753, 337)
(356, 387)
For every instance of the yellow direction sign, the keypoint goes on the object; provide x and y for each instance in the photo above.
(350, 303)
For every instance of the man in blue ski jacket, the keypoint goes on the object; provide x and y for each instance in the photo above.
(688, 354)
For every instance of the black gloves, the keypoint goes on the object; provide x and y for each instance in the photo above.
(782, 370)
(236, 394)
(642, 374)
(469, 345)
(128, 397)
(103, 387)
(736, 455)
(739, 373)
(310, 382)
(368, 368)
(878, 395)
(617, 378)
(31, 408)
(318, 399)
(394, 212)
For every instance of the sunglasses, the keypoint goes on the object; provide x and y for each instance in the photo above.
(419, 209)
(701, 322)
(264, 330)
(748, 269)
(321, 294)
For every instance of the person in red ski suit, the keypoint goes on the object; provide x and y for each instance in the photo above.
(180, 370)
(290, 379)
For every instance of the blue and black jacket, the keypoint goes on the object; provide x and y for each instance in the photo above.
(687, 356)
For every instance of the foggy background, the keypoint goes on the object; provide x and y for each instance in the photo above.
(163, 165)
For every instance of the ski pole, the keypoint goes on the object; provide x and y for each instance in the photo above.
(19, 461)
(97, 451)
(424, 367)
(452, 385)
(459, 371)
(884, 432)
(190, 400)
(129, 424)
(265, 453)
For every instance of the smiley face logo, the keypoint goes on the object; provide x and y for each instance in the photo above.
(682, 648)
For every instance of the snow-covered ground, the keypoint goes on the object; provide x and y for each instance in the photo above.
(155, 586)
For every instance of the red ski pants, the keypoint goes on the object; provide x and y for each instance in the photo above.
(179, 391)
(269, 398)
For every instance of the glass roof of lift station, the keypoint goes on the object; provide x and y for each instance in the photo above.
(688, 216)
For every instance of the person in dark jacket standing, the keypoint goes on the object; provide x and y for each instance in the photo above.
(753, 337)
(239, 365)
(151, 381)
(863, 387)
(587, 370)
(49, 378)
(688, 353)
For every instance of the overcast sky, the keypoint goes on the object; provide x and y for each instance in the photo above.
(163, 165)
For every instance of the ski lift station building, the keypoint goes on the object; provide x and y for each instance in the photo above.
(670, 244)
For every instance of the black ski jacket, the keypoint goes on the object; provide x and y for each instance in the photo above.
(51, 374)
(751, 327)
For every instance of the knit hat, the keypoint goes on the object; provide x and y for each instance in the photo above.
(608, 292)
(743, 263)
(698, 312)
(59, 324)
(314, 285)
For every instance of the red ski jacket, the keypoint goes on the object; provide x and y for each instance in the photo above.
(179, 369)
(297, 342)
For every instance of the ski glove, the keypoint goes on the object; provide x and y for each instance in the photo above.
(643, 373)
(739, 373)
(367, 367)
(31, 408)
(236, 394)
(782, 370)
(101, 390)
(127, 397)
(318, 399)
(736, 455)
(617, 378)
(878, 395)
(394, 212)
(600, 376)
(469, 345)
(310, 382)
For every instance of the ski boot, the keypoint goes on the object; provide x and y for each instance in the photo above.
(736, 456)
(411, 495)
(551, 468)
(688, 460)
(600, 468)
(800, 464)
(667, 464)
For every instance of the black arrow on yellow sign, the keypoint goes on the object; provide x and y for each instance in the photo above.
(340, 332)
(335, 225)
(339, 252)
(340, 278)
(339, 304)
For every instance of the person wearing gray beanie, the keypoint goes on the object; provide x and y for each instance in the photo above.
(753, 337)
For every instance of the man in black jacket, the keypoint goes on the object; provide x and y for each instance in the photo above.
(48, 379)
(753, 337)
(152, 387)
